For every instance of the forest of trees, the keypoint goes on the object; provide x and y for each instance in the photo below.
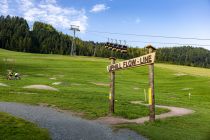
(16, 35)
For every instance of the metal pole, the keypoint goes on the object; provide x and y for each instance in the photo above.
(74, 28)
(151, 88)
(74, 47)
(94, 50)
(72, 44)
(112, 88)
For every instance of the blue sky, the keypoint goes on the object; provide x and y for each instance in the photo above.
(181, 18)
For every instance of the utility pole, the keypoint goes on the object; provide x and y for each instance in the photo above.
(74, 28)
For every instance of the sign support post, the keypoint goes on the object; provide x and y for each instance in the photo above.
(112, 88)
(151, 88)
(147, 59)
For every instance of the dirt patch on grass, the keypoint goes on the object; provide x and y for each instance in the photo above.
(185, 89)
(56, 83)
(46, 105)
(80, 114)
(174, 111)
(75, 84)
(136, 88)
(3, 85)
(60, 76)
(41, 87)
(100, 84)
(180, 74)
(27, 93)
(8, 60)
(52, 78)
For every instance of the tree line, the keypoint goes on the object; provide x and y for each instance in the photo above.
(16, 35)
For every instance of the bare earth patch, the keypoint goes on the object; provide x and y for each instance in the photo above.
(180, 74)
(8, 60)
(174, 111)
(100, 84)
(42, 87)
(40, 74)
(79, 114)
(3, 85)
(56, 83)
(28, 93)
(60, 76)
(186, 89)
(52, 78)
(136, 88)
(75, 84)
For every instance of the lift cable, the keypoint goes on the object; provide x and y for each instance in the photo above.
(163, 43)
(153, 36)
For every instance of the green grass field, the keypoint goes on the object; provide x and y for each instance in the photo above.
(12, 128)
(82, 90)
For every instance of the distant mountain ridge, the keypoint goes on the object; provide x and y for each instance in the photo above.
(43, 38)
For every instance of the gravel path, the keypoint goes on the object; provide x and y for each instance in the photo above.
(174, 111)
(63, 126)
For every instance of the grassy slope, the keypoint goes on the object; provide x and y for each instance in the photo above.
(14, 128)
(173, 90)
(77, 91)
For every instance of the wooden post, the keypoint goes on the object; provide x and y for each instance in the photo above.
(112, 88)
(151, 87)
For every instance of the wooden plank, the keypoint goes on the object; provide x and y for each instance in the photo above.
(138, 61)
(151, 86)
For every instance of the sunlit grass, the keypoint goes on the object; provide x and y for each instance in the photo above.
(12, 128)
(77, 91)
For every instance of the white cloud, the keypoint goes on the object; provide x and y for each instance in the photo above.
(4, 7)
(47, 11)
(98, 8)
(51, 1)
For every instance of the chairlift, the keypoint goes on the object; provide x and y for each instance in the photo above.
(107, 45)
(124, 49)
(114, 48)
(110, 46)
(119, 48)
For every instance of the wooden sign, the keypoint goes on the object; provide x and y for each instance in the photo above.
(138, 61)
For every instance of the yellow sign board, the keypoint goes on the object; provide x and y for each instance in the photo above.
(138, 61)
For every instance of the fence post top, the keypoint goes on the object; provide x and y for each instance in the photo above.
(150, 47)
(112, 58)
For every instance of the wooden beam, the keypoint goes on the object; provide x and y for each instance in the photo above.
(151, 87)
(112, 88)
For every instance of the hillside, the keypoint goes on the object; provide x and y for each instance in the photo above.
(43, 38)
(82, 84)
